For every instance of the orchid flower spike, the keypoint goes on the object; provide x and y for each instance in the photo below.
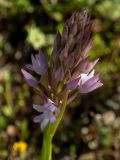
(69, 70)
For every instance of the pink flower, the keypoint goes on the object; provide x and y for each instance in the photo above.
(89, 82)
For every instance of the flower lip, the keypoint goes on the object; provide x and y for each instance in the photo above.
(48, 113)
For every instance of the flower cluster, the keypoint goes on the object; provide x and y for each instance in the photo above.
(69, 70)
(49, 113)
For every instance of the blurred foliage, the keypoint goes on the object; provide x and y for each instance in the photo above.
(91, 126)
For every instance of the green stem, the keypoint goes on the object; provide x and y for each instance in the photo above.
(49, 132)
(47, 147)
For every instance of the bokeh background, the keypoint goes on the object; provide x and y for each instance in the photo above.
(91, 125)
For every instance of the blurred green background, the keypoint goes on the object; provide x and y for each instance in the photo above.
(91, 125)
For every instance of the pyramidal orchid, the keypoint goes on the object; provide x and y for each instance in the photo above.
(68, 74)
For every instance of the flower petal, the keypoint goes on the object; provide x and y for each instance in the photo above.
(52, 119)
(44, 123)
(87, 89)
(85, 66)
(59, 74)
(39, 63)
(85, 77)
(42, 60)
(92, 80)
(29, 78)
(50, 106)
(38, 118)
(39, 108)
(95, 86)
(90, 85)
(36, 65)
(87, 48)
(73, 84)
